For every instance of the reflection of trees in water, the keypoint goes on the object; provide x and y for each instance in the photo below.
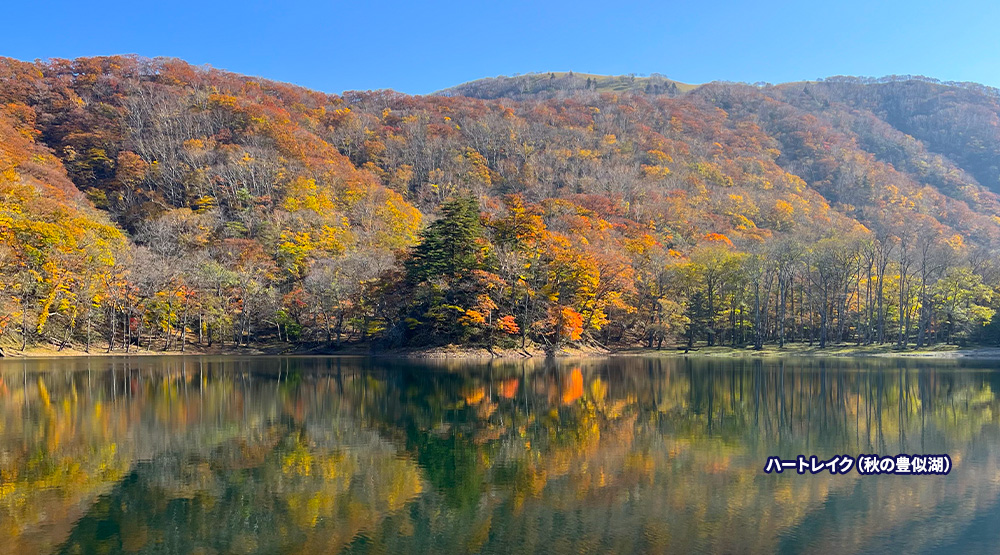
(671, 450)
(629, 454)
(294, 492)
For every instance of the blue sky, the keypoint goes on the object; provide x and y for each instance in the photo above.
(419, 47)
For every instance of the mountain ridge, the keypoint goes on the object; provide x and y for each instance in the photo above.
(554, 81)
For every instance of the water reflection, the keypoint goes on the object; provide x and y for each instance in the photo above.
(226, 455)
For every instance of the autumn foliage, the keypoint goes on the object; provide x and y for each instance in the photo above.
(150, 203)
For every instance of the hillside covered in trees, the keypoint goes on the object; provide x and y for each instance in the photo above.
(153, 204)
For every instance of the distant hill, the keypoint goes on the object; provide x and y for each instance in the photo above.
(960, 121)
(550, 84)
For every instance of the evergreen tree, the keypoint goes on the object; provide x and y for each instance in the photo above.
(448, 246)
(445, 288)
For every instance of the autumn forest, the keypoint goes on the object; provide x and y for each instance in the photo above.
(155, 205)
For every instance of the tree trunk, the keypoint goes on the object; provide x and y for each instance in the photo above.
(758, 343)
(111, 338)
(24, 326)
(184, 326)
(340, 326)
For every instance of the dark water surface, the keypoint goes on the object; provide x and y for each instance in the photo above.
(624, 455)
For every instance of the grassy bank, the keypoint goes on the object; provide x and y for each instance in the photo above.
(840, 350)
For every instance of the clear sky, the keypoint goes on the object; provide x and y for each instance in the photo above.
(419, 47)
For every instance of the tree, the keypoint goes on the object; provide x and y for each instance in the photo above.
(449, 246)
(712, 266)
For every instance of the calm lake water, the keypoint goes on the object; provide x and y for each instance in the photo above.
(628, 455)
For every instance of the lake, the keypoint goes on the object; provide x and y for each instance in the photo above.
(620, 455)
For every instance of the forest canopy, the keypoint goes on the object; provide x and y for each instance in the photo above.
(153, 204)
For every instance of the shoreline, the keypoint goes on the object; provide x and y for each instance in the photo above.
(479, 353)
